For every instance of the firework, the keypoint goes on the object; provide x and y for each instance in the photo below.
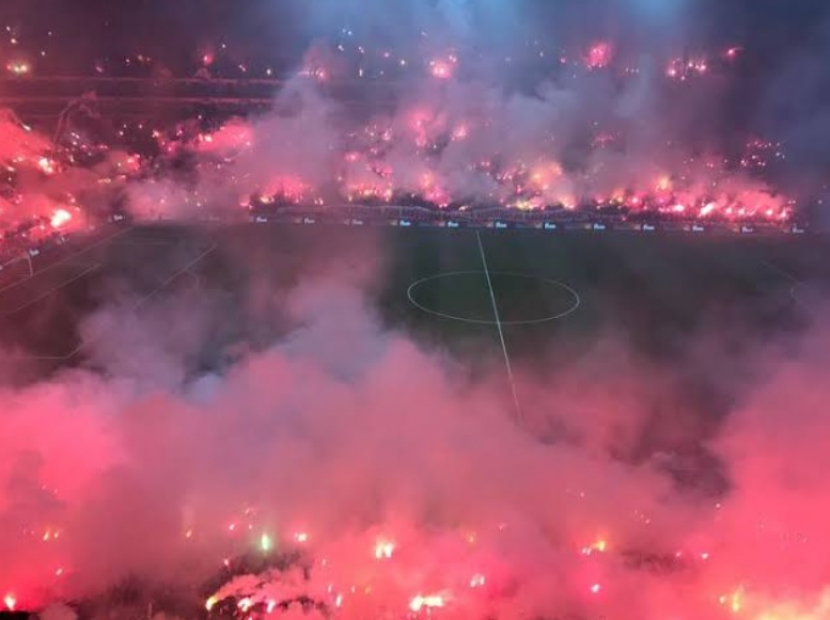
(599, 56)
(357, 124)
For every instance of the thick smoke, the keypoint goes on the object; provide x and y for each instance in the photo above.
(434, 101)
(667, 107)
(350, 442)
(44, 190)
(393, 472)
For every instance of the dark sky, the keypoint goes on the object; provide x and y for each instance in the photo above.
(172, 32)
(267, 30)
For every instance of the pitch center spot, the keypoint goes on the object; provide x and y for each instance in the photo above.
(523, 299)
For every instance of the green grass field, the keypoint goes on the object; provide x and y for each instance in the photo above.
(657, 294)
(557, 294)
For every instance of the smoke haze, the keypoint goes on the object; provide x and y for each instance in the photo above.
(337, 432)
(322, 426)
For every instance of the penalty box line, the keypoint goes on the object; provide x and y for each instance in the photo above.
(507, 363)
(796, 283)
(100, 333)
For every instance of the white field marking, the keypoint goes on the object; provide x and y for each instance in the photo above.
(55, 288)
(86, 343)
(65, 259)
(577, 301)
(87, 270)
(171, 279)
(499, 327)
(796, 283)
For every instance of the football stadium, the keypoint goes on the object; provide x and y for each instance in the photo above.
(532, 297)
(457, 309)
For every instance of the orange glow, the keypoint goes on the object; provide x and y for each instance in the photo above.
(384, 549)
(419, 602)
(60, 217)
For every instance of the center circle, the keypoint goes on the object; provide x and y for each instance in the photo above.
(466, 296)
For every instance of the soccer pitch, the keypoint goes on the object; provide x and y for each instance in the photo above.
(524, 299)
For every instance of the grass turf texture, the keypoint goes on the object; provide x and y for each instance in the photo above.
(656, 292)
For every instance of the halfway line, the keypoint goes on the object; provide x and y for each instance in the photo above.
(499, 327)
